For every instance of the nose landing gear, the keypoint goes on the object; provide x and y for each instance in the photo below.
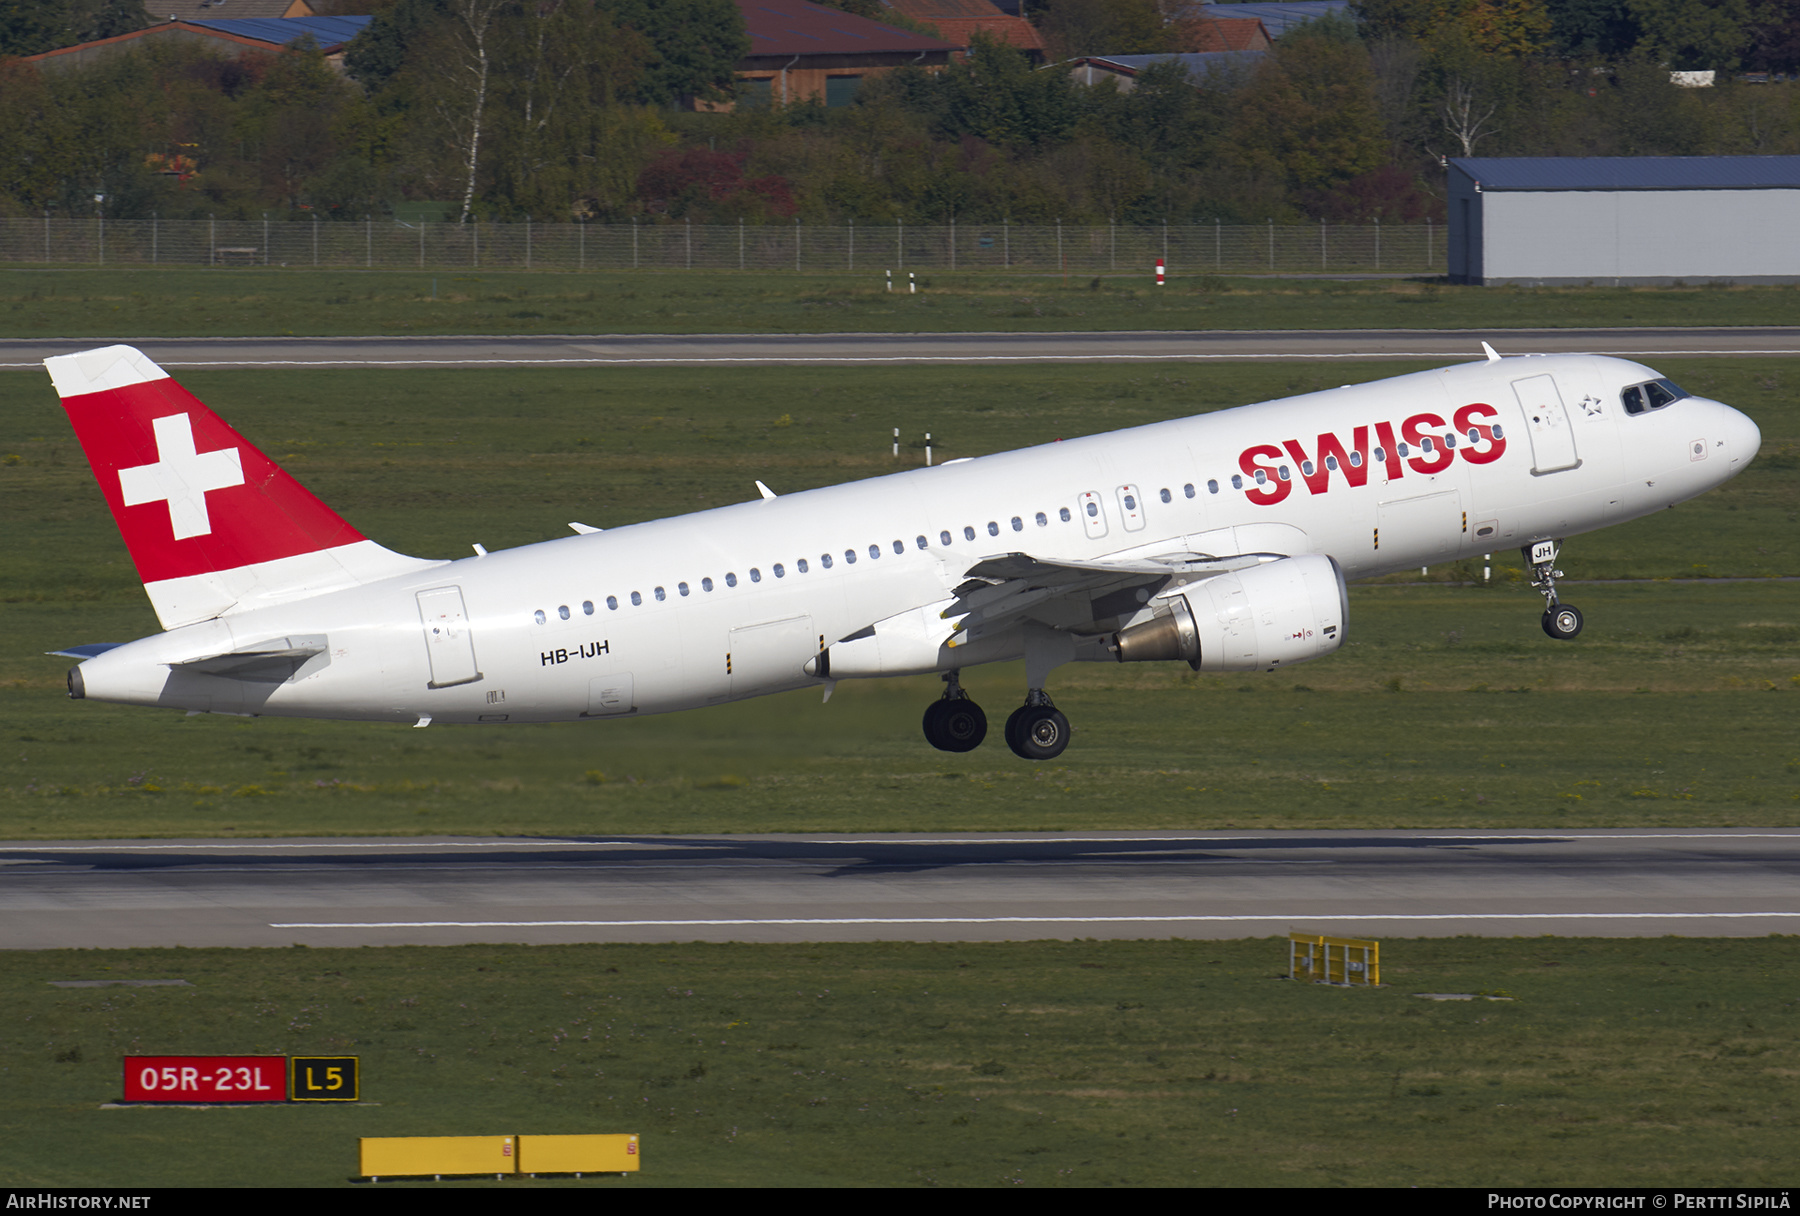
(1561, 621)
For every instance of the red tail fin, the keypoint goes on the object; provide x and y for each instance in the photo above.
(210, 521)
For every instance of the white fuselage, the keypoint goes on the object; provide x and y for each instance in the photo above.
(530, 634)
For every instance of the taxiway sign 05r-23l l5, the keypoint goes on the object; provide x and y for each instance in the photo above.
(1223, 540)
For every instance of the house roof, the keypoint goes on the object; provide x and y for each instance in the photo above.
(1208, 33)
(1494, 173)
(1201, 65)
(280, 31)
(1278, 19)
(794, 27)
(255, 33)
(1013, 31)
(194, 10)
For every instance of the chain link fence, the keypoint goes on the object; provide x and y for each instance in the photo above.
(1186, 249)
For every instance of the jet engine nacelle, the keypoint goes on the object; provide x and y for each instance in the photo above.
(1265, 617)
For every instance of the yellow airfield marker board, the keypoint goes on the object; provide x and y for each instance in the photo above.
(616, 1154)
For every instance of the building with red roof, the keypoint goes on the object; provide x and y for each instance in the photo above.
(232, 37)
(804, 52)
(1203, 32)
(960, 20)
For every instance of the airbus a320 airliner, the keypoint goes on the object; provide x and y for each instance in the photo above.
(1221, 540)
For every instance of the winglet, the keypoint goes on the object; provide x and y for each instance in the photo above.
(1492, 354)
(765, 491)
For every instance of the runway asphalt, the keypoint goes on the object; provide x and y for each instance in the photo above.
(698, 350)
(1701, 883)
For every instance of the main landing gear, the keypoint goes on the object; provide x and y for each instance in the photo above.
(1037, 730)
(1561, 621)
(955, 723)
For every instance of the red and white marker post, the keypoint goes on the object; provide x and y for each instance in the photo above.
(1159, 272)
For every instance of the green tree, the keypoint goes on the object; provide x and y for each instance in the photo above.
(1104, 27)
(1308, 119)
(1688, 35)
(695, 47)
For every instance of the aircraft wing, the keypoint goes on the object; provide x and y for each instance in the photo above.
(999, 592)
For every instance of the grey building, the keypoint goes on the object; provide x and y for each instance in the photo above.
(1619, 220)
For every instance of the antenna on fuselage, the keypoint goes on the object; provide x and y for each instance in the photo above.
(1492, 354)
(765, 491)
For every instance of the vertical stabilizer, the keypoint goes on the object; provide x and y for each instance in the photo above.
(213, 525)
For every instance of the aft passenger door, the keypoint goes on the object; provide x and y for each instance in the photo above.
(449, 644)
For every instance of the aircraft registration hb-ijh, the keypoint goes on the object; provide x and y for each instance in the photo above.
(1223, 540)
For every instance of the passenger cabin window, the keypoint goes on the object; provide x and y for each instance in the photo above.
(755, 575)
(801, 565)
(1212, 487)
(730, 579)
(1065, 514)
(563, 612)
(1168, 497)
(538, 616)
(587, 607)
(1043, 521)
(968, 533)
(922, 543)
(636, 599)
(1188, 489)
(706, 584)
(612, 603)
(944, 539)
(780, 571)
(661, 595)
(1018, 525)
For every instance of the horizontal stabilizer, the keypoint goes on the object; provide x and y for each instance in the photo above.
(87, 651)
(272, 662)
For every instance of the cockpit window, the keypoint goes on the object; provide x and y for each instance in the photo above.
(1642, 398)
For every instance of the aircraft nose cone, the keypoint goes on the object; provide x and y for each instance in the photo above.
(1742, 437)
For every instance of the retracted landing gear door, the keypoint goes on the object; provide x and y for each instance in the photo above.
(448, 641)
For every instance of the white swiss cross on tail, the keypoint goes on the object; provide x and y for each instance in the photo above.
(181, 477)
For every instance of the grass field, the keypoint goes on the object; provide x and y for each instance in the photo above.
(132, 304)
(1448, 707)
(1653, 1062)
